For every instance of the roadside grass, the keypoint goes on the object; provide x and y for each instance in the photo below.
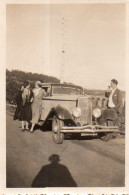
(10, 108)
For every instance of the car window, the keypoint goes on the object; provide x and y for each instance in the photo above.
(66, 90)
(47, 90)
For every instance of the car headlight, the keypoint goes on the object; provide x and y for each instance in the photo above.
(97, 112)
(77, 112)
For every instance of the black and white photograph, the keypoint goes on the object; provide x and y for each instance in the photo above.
(65, 95)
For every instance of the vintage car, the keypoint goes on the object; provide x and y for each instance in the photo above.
(72, 112)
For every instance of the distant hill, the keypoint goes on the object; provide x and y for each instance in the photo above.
(95, 92)
(98, 92)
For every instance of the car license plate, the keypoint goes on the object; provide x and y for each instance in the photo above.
(83, 134)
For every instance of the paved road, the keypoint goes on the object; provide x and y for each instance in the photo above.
(33, 160)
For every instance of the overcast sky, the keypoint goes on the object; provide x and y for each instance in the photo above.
(93, 37)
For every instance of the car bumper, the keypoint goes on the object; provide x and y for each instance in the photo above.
(90, 129)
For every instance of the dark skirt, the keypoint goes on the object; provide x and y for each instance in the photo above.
(23, 113)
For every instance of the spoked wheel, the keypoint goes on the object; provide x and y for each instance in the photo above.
(57, 124)
(106, 136)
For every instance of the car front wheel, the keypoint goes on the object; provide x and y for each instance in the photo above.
(57, 124)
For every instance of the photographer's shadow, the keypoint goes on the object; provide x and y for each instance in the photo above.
(54, 175)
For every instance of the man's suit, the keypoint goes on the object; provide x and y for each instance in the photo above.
(117, 100)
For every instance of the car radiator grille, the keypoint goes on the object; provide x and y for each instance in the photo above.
(85, 104)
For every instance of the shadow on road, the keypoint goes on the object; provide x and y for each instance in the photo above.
(54, 175)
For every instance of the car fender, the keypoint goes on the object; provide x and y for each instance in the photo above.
(62, 113)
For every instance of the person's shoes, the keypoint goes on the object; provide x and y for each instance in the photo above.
(122, 133)
(23, 130)
(27, 129)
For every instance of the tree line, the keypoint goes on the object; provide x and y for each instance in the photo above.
(15, 79)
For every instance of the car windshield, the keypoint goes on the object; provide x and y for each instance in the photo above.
(62, 90)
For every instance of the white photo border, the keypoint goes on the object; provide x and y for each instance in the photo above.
(52, 191)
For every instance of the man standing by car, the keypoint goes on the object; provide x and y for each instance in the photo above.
(114, 96)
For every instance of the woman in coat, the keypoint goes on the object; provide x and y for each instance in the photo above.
(38, 93)
(23, 110)
(19, 104)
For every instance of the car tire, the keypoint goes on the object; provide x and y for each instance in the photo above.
(57, 124)
(106, 136)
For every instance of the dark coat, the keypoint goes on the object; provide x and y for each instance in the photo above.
(117, 100)
(19, 105)
(23, 110)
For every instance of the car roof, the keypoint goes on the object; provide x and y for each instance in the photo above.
(60, 84)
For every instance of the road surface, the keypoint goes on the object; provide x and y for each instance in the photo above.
(34, 160)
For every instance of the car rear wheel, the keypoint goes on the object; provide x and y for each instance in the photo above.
(57, 124)
(106, 136)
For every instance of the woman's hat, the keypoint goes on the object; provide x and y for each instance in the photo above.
(38, 83)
